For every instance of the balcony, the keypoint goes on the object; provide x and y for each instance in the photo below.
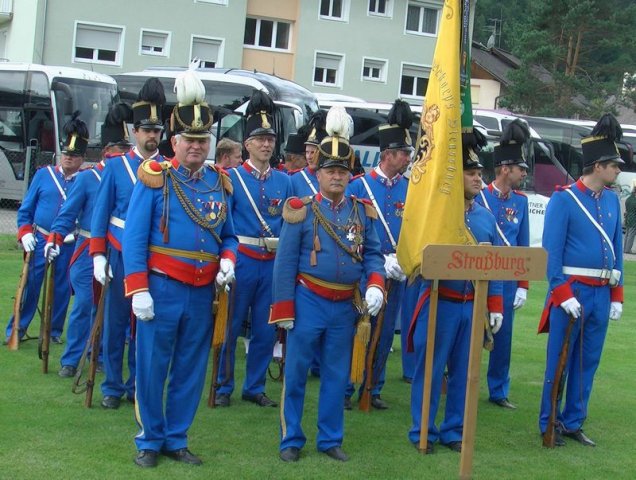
(6, 11)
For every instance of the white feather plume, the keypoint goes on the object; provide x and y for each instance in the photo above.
(189, 87)
(338, 122)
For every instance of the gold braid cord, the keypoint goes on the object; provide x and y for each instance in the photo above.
(330, 231)
(192, 211)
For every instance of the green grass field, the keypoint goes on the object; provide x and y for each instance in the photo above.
(45, 431)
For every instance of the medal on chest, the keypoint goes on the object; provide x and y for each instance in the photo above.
(511, 215)
(274, 206)
(399, 209)
(354, 235)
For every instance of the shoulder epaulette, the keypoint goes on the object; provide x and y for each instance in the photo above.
(369, 209)
(150, 173)
(356, 177)
(560, 188)
(225, 178)
(295, 209)
(519, 192)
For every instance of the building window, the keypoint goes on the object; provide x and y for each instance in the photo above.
(328, 69)
(268, 34)
(98, 43)
(380, 7)
(374, 69)
(414, 80)
(334, 9)
(421, 19)
(209, 51)
(154, 43)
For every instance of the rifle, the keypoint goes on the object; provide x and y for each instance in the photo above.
(224, 305)
(364, 403)
(14, 339)
(94, 345)
(47, 309)
(549, 436)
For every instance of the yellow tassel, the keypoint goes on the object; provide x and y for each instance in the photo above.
(316, 243)
(359, 354)
(312, 258)
(220, 320)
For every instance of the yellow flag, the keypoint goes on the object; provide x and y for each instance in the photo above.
(434, 209)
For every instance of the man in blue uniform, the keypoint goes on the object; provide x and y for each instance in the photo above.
(454, 318)
(510, 208)
(386, 189)
(179, 239)
(107, 227)
(306, 183)
(328, 244)
(257, 205)
(583, 237)
(78, 210)
(294, 154)
(46, 194)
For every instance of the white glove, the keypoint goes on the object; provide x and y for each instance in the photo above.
(572, 307)
(28, 242)
(496, 319)
(616, 310)
(70, 238)
(51, 251)
(226, 272)
(99, 269)
(285, 324)
(520, 298)
(374, 298)
(143, 306)
(392, 268)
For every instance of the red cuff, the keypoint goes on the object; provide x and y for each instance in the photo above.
(97, 246)
(495, 304)
(523, 284)
(23, 230)
(282, 311)
(135, 283)
(229, 254)
(561, 293)
(376, 280)
(55, 238)
(616, 294)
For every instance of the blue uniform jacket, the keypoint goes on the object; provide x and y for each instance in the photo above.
(112, 200)
(43, 200)
(390, 194)
(300, 186)
(333, 264)
(206, 192)
(511, 213)
(269, 192)
(572, 240)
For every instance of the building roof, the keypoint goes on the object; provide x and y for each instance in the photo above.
(495, 61)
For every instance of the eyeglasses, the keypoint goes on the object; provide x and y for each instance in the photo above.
(264, 139)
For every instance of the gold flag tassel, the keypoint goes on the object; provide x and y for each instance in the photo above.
(360, 341)
(220, 320)
(313, 260)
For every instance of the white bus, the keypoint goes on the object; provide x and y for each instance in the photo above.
(35, 103)
(228, 91)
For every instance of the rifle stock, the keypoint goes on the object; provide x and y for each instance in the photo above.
(45, 325)
(224, 305)
(364, 403)
(14, 339)
(549, 436)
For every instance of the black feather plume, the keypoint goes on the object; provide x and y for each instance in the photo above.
(118, 113)
(259, 102)
(75, 125)
(318, 120)
(400, 114)
(608, 127)
(304, 132)
(516, 131)
(474, 140)
(152, 92)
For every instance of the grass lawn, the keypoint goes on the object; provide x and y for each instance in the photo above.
(45, 431)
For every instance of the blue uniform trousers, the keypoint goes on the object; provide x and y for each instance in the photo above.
(392, 312)
(61, 294)
(174, 345)
(254, 289)
(83, 311)
(409, 301)
(116, 323)
(327, 326)
(586, 345)
(452, 346)
(499, 361)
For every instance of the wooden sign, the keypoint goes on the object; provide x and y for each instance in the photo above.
(478, 263)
